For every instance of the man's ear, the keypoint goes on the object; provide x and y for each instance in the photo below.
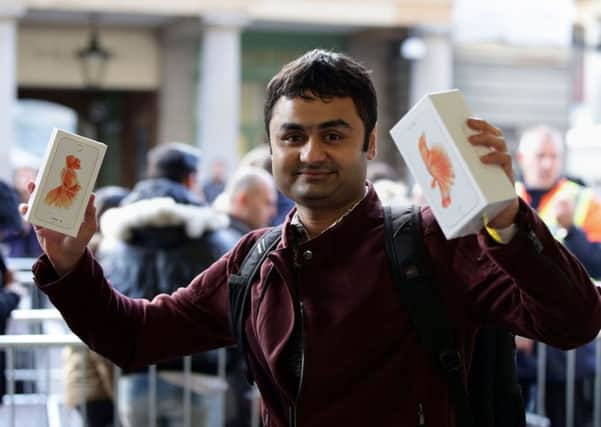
(519, 156)
(242, 198)
(371, 144)
(189, 181)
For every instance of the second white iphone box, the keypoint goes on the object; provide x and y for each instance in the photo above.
(462, 191)
(65, 181)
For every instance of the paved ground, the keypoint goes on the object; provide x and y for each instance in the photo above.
(36, 415)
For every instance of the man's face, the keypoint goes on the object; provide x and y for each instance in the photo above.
(262, 204)
(541, 166)
(317, 155)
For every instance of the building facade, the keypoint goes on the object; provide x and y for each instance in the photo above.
(196, 71)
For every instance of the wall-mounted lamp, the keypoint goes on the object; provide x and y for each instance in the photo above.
(413, 48)
(93, 59)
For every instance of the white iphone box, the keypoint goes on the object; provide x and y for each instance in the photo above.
(462, 191)
(65, 181)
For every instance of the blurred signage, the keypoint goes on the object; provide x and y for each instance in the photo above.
(48, 57)
(533, 23)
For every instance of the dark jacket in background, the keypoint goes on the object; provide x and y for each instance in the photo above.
(159, 239)
(10, 220)
(284, 205)
(237, 229)
(21, 242)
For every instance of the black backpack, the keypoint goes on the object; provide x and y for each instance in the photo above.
(493, 397)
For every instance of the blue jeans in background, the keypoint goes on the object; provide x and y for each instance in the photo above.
(134, 411)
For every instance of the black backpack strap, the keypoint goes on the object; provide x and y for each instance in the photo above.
(412, 276)
(239, 286)
(494, 391)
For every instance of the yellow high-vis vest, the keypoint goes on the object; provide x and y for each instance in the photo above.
(581, 197)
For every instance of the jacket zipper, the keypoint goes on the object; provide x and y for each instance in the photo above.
(421, 419)
(293, 410)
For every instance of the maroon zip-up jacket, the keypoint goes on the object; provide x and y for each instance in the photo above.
(360, 359)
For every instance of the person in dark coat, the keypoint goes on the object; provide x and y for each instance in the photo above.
(156, 240)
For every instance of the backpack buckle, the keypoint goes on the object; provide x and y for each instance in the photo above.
(450, 360)
(411, 272)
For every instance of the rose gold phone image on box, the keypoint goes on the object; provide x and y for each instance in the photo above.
(65, 182)
(439, 166)
(63, 196)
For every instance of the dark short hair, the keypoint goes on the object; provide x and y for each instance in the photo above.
(174, 161)
(325, 74)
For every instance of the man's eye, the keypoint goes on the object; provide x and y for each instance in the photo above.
(332, 137)
(293, 138)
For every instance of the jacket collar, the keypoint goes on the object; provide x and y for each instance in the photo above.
(367, 209)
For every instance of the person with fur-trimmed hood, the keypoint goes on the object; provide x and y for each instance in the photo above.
(158, 239)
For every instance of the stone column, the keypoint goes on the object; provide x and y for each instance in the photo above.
(179, 62)
(8, 84)
(218, 94)
(434, 70)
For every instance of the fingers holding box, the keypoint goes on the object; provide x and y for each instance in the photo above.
(483, 126)
(501, 159)
(492, 137)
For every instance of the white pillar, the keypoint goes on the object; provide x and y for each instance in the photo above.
(8, 84)
(434, 70)
(592, 67)
(218, 120)
(177, 117)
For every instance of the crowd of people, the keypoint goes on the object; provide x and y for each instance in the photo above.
(152, 239)
(325, 283)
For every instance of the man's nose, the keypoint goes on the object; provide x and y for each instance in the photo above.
(547, 162)
(312, 151)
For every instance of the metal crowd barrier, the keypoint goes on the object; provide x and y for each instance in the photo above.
(570, 384)
(22, 267)
(215, 385)
(12, 343)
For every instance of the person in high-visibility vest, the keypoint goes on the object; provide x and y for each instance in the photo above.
(572, 212)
